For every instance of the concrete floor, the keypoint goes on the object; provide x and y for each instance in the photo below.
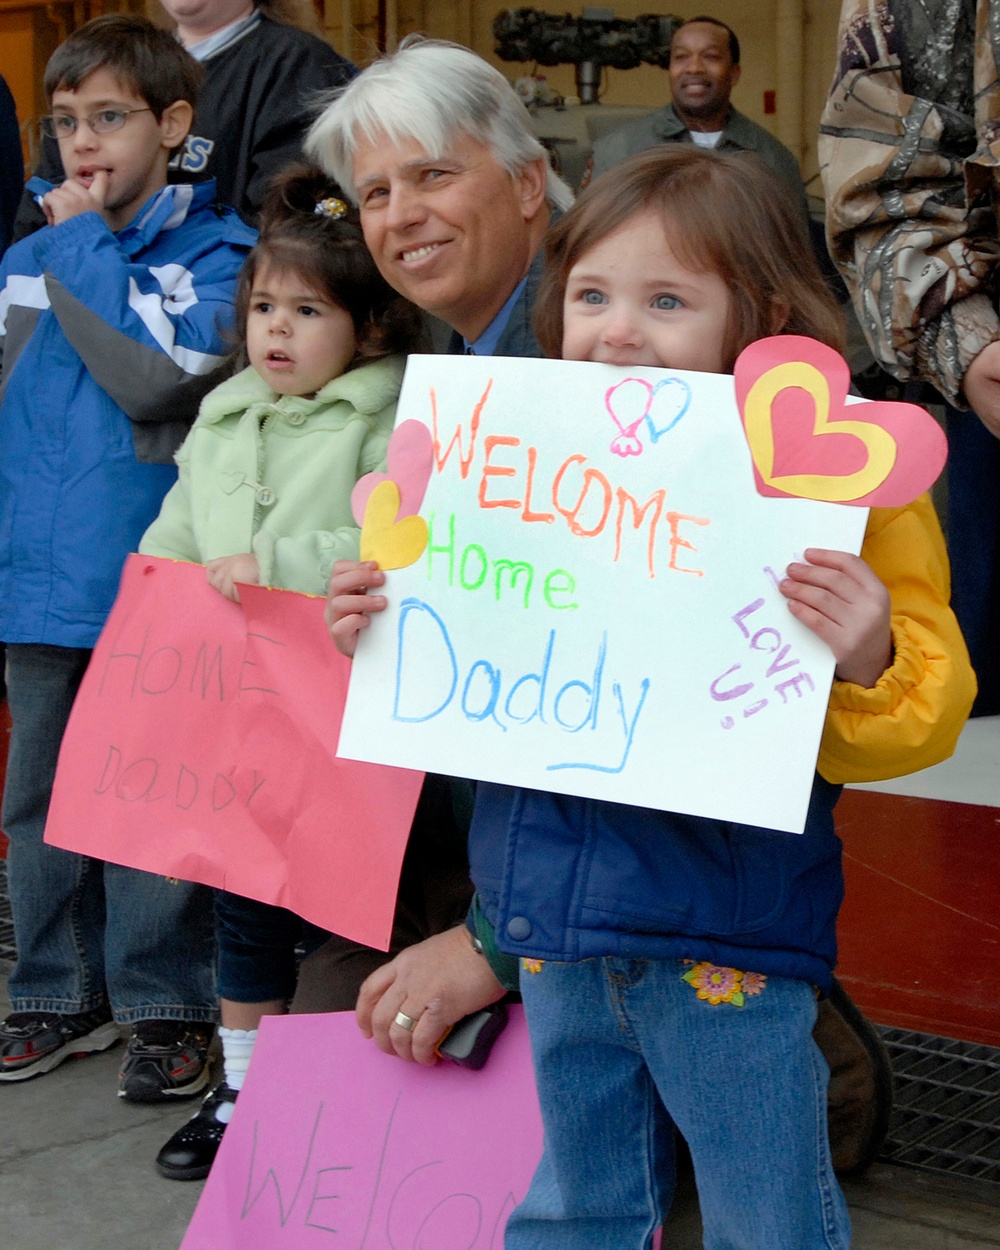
(76, 1164)
(76, 1173)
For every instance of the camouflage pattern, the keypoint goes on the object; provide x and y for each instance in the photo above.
(909, 151)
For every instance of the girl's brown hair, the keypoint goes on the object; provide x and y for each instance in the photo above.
(726, 213)
(330, 255)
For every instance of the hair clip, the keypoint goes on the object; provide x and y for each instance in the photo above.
(331, 207)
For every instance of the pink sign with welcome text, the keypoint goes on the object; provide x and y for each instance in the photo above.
(352, 1148)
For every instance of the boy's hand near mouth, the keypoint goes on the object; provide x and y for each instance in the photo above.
(74, 197)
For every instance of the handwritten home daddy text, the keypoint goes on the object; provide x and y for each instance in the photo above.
(597, 599)
(137, 666)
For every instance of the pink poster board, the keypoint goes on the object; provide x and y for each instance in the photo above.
(202, 745)
(352, 1148)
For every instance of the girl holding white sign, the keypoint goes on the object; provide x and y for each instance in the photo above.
(264, 496)
(670, 964)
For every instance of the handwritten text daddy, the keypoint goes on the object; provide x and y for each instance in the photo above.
(141, 667)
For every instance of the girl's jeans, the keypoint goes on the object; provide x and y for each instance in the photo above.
(624, 1050)
(258, 943)
(86, 929)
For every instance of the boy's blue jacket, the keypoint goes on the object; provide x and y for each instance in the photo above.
(108, 342)
(567, 878)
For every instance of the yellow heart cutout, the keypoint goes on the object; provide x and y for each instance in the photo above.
(391, 543)
(757, 417)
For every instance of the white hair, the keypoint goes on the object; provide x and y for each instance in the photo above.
(426, 91)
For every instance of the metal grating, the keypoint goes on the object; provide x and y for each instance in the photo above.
(946, 1117)
(6, 919)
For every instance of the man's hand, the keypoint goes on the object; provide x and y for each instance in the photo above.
(436, 983)
(349, 604)
(224, 572)
(841, 600)
(982, 387)
(73, 198)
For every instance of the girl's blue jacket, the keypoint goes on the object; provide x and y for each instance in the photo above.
(567, 878)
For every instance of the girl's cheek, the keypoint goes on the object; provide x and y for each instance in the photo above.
(576, 345)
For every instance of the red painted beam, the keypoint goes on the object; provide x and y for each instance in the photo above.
(920, 928)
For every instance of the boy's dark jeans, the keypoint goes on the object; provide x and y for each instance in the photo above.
(86, 929)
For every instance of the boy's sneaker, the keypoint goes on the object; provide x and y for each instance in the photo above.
(33, 1042)
(166, 1060)
(189, 1154)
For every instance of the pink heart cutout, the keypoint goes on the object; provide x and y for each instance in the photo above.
(833, 456)
(409, 463)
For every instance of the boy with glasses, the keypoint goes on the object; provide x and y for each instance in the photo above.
(110, 329)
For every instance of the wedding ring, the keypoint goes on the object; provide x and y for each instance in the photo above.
(404, 1021)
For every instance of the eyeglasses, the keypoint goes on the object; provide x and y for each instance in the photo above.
(103, 122)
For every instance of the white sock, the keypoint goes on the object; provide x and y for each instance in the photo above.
(237, 1048)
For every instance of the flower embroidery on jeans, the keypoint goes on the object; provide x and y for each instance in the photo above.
(754, 982)
(532, 965)
(723, 985)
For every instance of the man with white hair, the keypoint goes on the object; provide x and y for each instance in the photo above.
(455, 194)
(454, 189)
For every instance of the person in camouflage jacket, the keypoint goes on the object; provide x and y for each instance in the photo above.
(909, 150)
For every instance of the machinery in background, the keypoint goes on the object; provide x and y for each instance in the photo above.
(594, 40)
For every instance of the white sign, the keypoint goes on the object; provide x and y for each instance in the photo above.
(596, 611)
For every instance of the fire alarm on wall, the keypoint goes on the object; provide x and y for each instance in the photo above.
(770, 102)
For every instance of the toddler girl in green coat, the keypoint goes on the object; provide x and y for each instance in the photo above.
(264, 497)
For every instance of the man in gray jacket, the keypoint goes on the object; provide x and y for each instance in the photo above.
(704, 69)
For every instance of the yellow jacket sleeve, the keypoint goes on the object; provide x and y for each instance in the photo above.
(912, 717)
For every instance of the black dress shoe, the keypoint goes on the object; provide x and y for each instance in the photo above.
(190, 1153)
